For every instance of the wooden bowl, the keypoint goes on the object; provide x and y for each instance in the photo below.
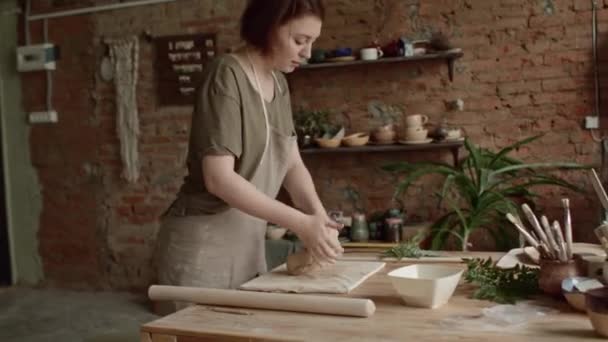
(328, 143)
(357, 139)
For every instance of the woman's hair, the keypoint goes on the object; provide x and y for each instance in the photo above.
(263, 17)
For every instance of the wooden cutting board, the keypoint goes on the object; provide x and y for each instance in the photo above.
(340, 278)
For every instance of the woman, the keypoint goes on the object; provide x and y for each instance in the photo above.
(242, 149)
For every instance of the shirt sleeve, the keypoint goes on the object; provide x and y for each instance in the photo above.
(217, 119)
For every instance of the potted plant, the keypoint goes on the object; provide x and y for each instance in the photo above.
(310, 124)
(481, 189)
(383, 118)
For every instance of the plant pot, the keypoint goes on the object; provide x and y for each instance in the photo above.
(384, 133)
(553, 272)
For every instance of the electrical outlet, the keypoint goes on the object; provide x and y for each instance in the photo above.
(43, 117)
(592, 122)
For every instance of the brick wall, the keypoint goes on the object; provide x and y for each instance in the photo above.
(526, 70)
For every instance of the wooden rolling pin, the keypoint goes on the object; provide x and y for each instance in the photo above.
(263, 300)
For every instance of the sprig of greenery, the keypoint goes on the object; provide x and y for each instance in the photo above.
(501, 285)
(407, 249)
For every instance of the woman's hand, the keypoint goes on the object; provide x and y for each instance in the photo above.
(319, 234)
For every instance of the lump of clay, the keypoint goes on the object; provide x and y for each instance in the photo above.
(303, 263)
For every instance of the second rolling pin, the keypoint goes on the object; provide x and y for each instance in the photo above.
(262, 300)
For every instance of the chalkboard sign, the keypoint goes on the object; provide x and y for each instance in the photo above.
(179, 65)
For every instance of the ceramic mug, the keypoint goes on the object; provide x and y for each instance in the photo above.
(415, 135)
(370, 54)
(416, 120)
(413, 129)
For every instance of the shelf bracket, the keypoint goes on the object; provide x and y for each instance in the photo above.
(451, 68)
(455, 153)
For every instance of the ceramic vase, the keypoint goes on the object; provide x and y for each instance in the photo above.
(553, 272)
(359, 231)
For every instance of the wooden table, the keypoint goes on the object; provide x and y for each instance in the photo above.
(459, 320)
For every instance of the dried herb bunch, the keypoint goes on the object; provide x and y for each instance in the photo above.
(501, 285)
(408, 249)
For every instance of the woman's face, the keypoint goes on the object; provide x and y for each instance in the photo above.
(293, 42)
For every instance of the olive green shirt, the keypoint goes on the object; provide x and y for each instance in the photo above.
(228, 118)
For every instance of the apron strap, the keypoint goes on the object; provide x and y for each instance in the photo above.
(257, 81)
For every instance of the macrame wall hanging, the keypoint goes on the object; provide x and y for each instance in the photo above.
(124, 56)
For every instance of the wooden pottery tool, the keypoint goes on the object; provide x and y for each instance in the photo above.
(548, 239)
(531, 240)
(552, 239)
(568, 226)
(563, 255)
(537, 228)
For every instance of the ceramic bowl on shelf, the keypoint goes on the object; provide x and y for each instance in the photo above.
(356, 139)
(425, 285)
(328, 143)
(415, 135)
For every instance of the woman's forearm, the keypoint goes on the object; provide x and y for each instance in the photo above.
(298, 183)
(242, 195)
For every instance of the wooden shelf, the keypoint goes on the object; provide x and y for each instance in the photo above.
(450, 56)
(454, 146)
(370, 244)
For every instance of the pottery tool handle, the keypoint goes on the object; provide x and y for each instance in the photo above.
(262, 300)
(559, 236)
(599, 189)
(549, 231)
(563, 255)
(568, 226)
(536, 225)
(531, 240)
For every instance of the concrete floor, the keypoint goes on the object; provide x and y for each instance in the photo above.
(39, 315)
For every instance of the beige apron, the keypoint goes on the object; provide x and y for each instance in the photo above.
(227, 249)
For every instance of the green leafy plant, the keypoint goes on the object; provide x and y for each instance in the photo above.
(480, 190)
(408, 249)
(314, 123)
(501, 285)
(382, 114)
(352, 195)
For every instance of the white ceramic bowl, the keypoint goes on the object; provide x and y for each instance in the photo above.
(425, 285)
